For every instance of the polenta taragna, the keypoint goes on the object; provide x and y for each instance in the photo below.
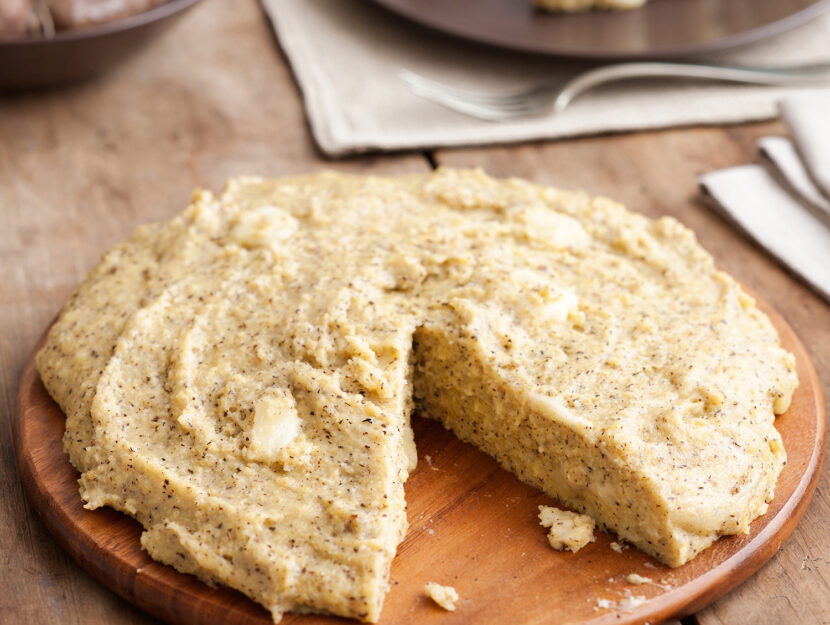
(240, 378)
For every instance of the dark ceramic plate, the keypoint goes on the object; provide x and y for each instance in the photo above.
(662, 28)
(74, 55)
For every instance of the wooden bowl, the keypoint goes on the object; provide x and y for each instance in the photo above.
(78, 54)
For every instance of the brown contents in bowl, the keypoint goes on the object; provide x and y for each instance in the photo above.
(44, 17)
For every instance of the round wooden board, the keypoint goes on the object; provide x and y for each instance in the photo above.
(472, 525)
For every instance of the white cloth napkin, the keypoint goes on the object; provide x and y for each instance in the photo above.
(347, 55)
(784, 203)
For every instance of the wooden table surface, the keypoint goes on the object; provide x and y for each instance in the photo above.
(81, 167)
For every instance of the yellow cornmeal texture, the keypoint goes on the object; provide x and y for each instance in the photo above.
(240, 379)
(568, 530)
(444, 596)
(572, 6)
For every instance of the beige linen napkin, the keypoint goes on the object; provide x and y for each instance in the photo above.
(809, 122)
(347, 55)
(781, 204)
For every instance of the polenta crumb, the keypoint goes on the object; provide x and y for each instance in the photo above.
(634, 578)
(568, 530)
(444, 596)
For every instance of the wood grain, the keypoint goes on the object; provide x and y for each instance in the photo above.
(472, 525)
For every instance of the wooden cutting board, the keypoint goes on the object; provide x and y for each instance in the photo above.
(472, 525)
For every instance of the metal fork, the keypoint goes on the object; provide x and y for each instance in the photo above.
(556, 97)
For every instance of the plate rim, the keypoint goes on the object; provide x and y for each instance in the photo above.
(736, 40)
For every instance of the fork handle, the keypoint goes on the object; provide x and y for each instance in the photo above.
(801, 75)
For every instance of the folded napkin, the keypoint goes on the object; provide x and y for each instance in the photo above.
(347, 55)
(784, 203)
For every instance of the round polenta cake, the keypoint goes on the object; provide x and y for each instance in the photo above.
(240, 379)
